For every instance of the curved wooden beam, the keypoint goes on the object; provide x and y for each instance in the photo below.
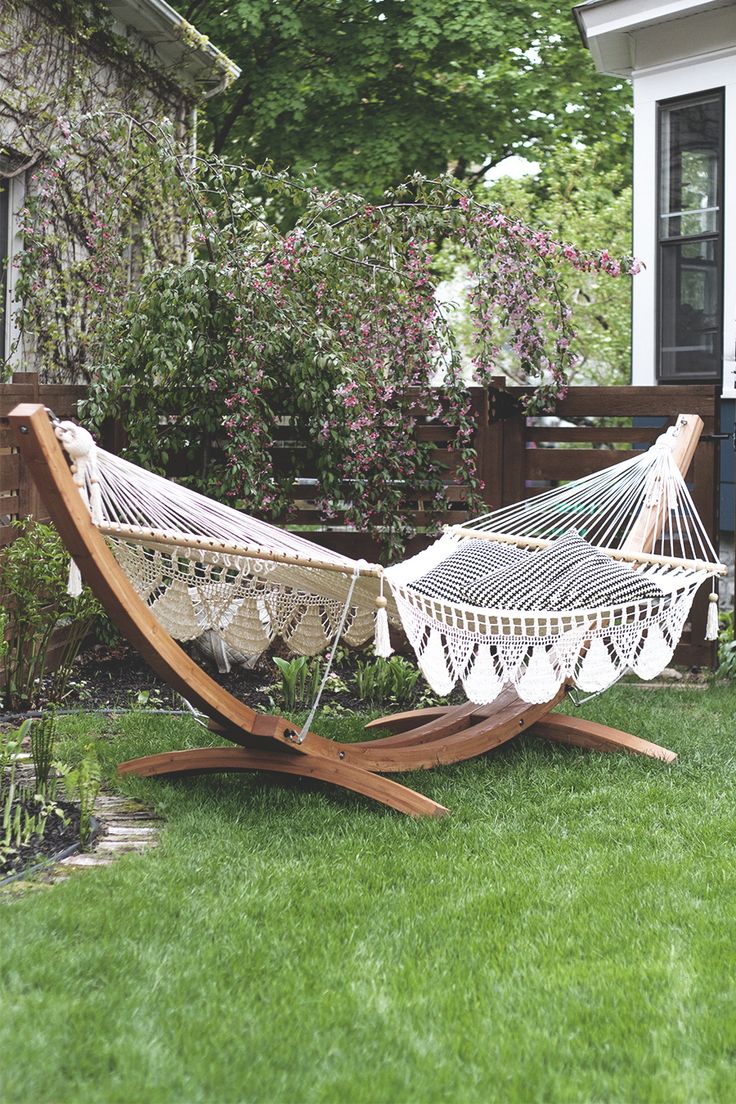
(598, 737)
(461, 733)
(348, 777)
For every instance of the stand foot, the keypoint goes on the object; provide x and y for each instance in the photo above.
(337, 773)
(589, 734)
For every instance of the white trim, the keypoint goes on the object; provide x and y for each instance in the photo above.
(683, 63)
(670, 82)
(729, 243)
(176, 42)
(16, 198)
(610, 28)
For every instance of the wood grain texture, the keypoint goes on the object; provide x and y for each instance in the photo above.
(343, 775)
(652, 518)
(589, 734)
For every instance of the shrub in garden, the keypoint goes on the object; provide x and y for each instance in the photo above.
(387, 680)
(315, 306)
(299, 682)
(726, 648)
(33, 596)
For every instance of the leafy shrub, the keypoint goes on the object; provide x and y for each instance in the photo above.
(726, 648)
(328, 324)
(33, 595)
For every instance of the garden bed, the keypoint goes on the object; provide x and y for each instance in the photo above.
(118, 678)
(60, 833)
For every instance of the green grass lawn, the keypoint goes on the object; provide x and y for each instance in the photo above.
(569, 934)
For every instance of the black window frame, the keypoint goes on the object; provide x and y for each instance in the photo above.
(716, 376)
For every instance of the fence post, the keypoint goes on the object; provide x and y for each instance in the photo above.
(514, 455)
(485, 445)
(29, 500)
(493, 444)
(704, 474)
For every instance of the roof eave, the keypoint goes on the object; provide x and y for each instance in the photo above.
(177, 43)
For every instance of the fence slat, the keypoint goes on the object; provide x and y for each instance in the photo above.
(558, 464)
(10, 473)
(590, 434)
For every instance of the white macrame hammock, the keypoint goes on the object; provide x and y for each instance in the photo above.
(531, 596)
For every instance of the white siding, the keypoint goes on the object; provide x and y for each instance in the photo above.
(651, 86)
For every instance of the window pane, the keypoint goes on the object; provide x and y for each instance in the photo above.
(690, 139)
(691, 311)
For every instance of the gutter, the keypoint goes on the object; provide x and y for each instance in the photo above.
(159, 24)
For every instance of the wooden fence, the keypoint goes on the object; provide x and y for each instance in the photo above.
(516, 459)
(18, 494)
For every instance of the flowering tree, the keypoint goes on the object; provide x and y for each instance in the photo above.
(332, 322)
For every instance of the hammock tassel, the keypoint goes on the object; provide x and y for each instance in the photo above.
(74, 581)
(711, 625)
(382, 640)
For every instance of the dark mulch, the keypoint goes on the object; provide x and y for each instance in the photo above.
(117, 678)
(58, 835)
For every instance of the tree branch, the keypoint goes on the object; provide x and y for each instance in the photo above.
(228, 122)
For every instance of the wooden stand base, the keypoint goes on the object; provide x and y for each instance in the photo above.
(220, 759)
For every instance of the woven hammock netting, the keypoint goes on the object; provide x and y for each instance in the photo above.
(576, 585)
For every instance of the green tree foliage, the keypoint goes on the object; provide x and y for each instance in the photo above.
(369, 91)
(579, 197)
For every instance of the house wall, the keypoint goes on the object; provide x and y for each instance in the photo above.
(650, 88)
(49, 73)
(651, 85)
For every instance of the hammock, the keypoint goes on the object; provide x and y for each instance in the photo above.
(576, 585)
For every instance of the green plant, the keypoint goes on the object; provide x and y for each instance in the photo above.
(33, 594)
(43, 741)
(3, 641)
(24, 813)
(82, 784)
(382, 680)
(145, 699)
(726, 648)
(300, 681)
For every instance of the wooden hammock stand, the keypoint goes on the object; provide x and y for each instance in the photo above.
(421, 738)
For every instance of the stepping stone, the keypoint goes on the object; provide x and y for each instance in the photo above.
(119, 848)
(86, 859)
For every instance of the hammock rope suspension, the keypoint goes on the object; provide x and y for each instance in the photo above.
(577, 584)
